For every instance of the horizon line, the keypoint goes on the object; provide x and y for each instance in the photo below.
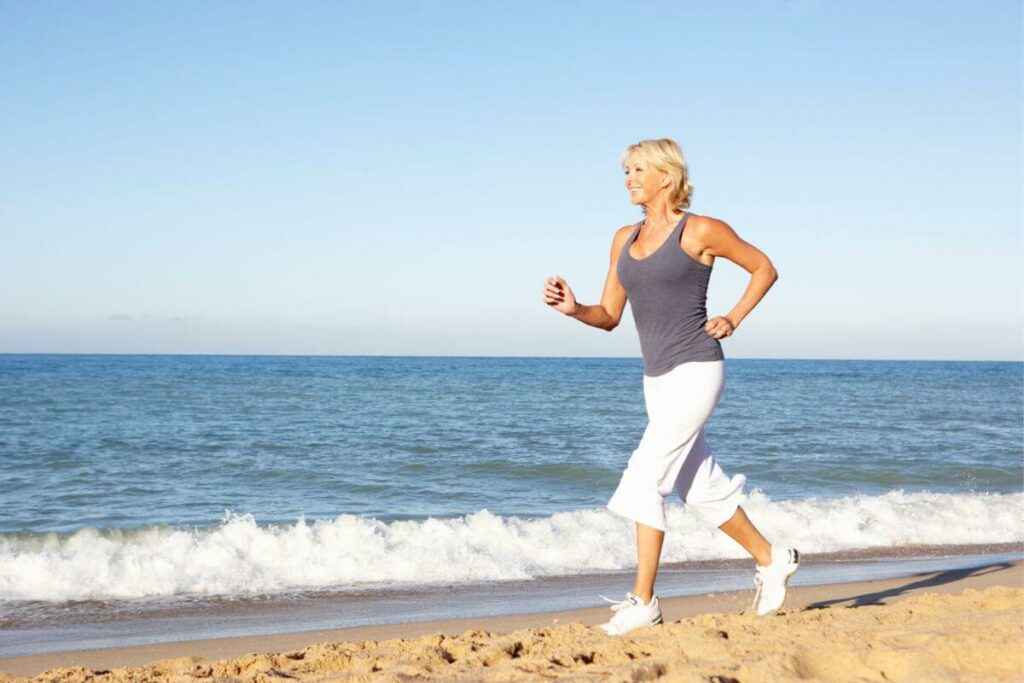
(361, 355)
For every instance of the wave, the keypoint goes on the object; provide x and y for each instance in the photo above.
(238, 556)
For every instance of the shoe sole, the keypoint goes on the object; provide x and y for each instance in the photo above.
(659, 620)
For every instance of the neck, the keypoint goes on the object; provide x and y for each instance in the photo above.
(658, 212)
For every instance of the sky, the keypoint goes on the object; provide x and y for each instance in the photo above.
(400, 178)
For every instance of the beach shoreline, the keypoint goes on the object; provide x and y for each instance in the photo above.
(39, 628)
(734, 604)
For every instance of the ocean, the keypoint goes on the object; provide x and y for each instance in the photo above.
(154, 489)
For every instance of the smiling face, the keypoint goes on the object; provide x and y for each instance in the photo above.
(643, 181)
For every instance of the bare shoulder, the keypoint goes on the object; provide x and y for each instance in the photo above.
(712, 238)
(706, 226)
(621, 235)
(708, 235)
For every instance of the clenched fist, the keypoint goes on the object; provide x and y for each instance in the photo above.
(719, 327)
(559, 296)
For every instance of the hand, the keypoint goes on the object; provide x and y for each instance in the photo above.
(559, 296)
(719, 327)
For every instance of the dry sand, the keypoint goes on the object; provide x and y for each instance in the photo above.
(966, 625)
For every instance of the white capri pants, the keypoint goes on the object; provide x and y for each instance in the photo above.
(673, 453)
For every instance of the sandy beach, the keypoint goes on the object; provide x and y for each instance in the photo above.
(959, 625)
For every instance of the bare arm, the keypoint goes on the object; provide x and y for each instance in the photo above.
(721, 240)
(608, 313)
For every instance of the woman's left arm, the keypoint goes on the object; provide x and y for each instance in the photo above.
(721, 240)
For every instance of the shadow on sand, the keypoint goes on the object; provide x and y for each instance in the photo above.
(926, 580)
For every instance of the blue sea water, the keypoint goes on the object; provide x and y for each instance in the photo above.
(138, 477)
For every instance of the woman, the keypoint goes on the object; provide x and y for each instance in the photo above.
(663, 265)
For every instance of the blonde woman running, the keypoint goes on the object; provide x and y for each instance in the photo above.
(663, 265)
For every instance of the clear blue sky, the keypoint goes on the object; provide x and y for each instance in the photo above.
(400, 178)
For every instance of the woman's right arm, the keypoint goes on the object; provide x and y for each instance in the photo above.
(608, 313)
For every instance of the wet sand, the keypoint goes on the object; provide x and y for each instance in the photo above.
(963, 624)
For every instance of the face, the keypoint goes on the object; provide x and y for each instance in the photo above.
(643, 181)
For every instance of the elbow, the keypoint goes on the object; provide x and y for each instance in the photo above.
(609, 320)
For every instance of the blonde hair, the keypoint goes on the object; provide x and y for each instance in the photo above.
(665, 155)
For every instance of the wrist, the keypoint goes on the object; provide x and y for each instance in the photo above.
(573, 313)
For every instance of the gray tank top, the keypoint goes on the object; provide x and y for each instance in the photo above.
(667, 292)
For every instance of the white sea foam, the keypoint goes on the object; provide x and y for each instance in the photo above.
(241, 557)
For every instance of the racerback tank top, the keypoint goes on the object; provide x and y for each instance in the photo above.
(667, 292)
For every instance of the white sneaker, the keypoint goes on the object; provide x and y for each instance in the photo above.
(632, 613)
(771, 581)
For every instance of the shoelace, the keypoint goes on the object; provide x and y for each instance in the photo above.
(617, 604)
(759, 582)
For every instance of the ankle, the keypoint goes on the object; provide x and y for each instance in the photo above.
(764, 558)
(645, 596)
